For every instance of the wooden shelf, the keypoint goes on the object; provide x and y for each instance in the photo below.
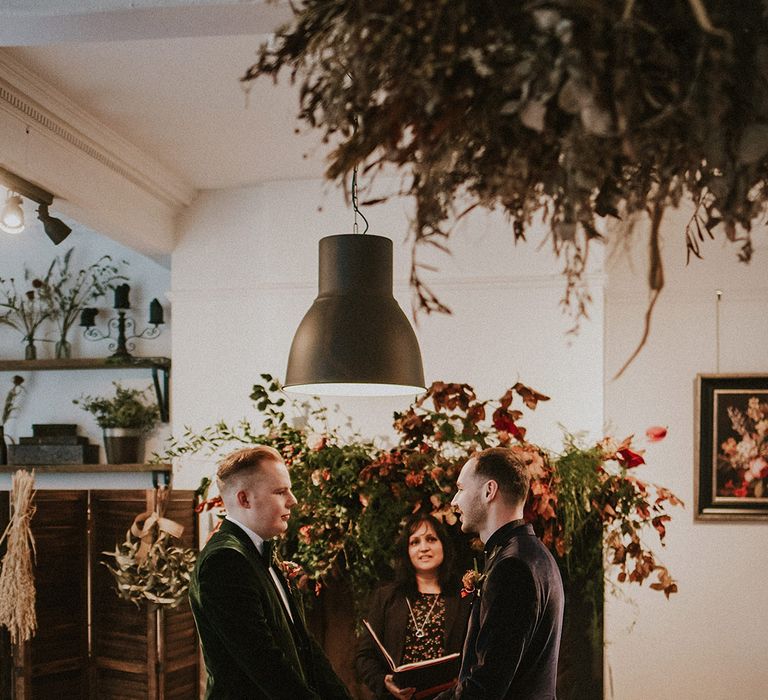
(86, 468)
(85, 363)
(162, 364)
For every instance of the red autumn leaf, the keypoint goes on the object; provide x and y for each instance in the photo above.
(476, 413)
(530, 397)
(656, 433)
(505, 421)
(628, 459)
(506, 400)
(658, 523)
(517, 431)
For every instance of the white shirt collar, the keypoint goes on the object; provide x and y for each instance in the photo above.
(258, 541)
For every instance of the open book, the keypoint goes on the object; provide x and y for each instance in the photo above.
(428, 677)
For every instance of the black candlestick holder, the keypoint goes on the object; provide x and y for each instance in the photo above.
(122, 328)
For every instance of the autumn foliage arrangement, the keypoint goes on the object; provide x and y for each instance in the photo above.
(587, 503)
(557, 113)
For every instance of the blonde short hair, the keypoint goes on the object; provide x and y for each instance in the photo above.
(245, 461)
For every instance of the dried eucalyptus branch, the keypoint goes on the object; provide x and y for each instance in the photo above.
(571, 111)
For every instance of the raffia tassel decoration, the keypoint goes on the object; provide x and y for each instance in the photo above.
(17, 578)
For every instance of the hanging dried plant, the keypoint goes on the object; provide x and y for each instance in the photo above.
(17, 578)
(572, 111)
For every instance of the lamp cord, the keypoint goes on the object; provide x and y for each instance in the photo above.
(355, 206)
(354, 203)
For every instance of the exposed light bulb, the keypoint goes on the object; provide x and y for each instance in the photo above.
(12, 216)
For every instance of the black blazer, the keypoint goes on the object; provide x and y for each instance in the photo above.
(513, 640)
(388, 615)
(252, 650)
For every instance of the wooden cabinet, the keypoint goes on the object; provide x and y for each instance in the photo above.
(89, 643)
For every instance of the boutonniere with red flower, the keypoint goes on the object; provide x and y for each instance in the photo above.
(292, 572)
(471, 582)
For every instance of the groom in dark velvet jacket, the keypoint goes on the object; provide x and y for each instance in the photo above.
(254, 640)
(513, 640)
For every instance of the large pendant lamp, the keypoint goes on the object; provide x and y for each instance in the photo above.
(355, 339)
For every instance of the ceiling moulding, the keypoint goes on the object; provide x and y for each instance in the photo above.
(86, 163)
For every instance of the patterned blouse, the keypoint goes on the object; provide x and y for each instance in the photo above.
(429, 612)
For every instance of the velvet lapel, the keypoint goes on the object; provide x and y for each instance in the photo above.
(298, 617)
(229, 528)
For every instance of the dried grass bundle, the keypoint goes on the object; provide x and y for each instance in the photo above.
(17, 579)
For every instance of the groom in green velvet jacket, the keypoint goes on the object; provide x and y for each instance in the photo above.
(254, 639)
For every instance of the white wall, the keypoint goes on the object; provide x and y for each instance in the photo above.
(708, 640)
(245, 272)
(48, 397)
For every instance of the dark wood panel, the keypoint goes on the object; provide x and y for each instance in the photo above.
(117, 685)
(63, 684)
(181, 684)
(6, 654)
(58, 653)
(118, 628)
(124, 640)
(72, 529)
(180, 676)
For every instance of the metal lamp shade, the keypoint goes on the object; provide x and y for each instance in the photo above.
(355, 340)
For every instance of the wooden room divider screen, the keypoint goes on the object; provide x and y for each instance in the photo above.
(89, 643)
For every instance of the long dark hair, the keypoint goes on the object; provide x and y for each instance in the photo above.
(405, 576)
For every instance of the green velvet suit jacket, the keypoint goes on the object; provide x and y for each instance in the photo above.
(252, 650)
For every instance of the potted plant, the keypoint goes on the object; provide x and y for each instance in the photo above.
(125, 418)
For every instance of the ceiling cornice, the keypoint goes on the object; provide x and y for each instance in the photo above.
(37, 103)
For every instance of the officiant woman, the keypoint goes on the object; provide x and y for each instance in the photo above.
(421, 614)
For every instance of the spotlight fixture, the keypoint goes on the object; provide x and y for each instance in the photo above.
(12, 217)
(355, 339)
(54, 228)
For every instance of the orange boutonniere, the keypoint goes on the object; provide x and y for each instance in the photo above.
(472, 580)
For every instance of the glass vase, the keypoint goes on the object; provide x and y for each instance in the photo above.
(30, 351)
(63, 349)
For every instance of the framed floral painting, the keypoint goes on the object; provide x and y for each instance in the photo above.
(731, 447)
